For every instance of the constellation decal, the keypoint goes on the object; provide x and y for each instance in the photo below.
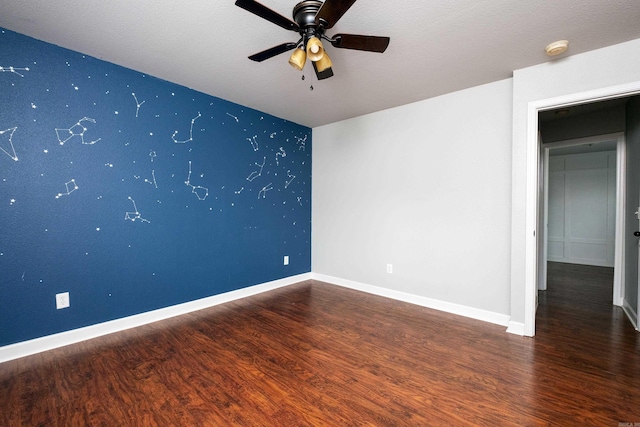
(282, 154)
(200, 192)
(152, 155)
(299, 200)
(254, 142)
(71, 186)
(240, 190)
(190, 132)
(135, 215)
(234, 117)
(151, 181)
(13, 70)
(138, 103)
(264, 190)
(76, 130)
(253, 175)
(302, 142)
(11, 150)
(291, 180)
(272, 135)
(153, 174)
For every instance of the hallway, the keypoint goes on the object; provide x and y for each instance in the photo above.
(578, 328)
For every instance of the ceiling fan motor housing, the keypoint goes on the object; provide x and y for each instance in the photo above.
(304, 13)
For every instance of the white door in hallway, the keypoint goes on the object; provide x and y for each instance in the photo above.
(582, 206)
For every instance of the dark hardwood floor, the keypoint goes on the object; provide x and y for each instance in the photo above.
(314, 354)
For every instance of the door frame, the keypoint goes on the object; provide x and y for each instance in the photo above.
(532, 203)
(619, 250)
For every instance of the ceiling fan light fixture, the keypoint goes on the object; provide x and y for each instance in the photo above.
(315, 50)
(323, 63)
(298, 58)
(311, 19)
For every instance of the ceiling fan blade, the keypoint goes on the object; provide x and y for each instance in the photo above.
(331, 11)
(321, 75)
(358, 42)
(273, 51)
(268, 14)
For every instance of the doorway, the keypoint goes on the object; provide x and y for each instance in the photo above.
(533, 240)
(580, 186)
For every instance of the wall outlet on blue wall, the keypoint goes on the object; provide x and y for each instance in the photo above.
(286, 260)
(62, 300)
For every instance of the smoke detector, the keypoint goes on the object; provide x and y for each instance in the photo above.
(556, 48)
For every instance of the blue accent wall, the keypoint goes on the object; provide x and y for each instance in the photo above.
(132, 193)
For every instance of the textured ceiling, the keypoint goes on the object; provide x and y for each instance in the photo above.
(437, 46)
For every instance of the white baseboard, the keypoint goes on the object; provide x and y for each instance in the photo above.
(516, 328)
(37, 345)
(631, 314)
(461, 310)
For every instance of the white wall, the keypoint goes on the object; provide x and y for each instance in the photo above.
(602, 68)
(425, 187)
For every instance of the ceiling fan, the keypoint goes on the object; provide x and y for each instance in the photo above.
(311, 18)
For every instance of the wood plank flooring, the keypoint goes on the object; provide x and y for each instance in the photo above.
(315, 354)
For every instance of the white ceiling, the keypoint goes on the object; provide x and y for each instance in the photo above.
(437, 46)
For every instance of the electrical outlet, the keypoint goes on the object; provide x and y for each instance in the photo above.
(390, 268)
(62, 300)
(286, 260)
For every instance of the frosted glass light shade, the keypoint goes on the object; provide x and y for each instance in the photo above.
(315, 51)
(323, 63)
(298, 58)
